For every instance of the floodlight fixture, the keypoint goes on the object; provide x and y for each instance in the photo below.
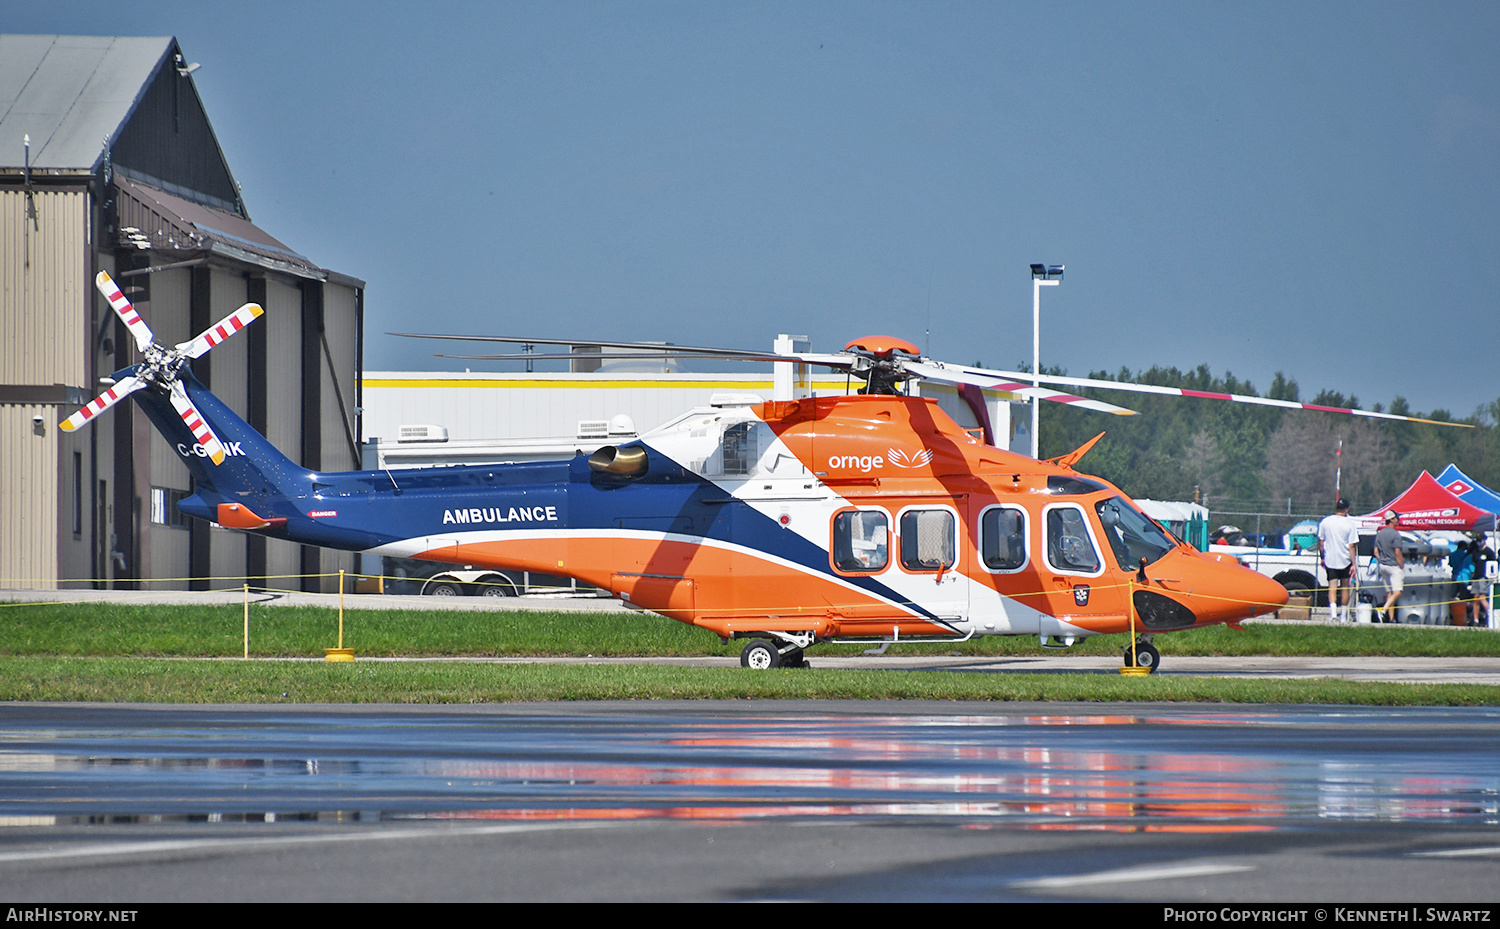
(1048, 276)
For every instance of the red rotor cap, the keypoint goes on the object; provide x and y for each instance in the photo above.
(882, 346)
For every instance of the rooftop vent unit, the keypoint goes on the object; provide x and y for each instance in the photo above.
(593, 429)
(421, 433)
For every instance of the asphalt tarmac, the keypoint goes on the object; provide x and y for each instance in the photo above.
(748, 801)
(1347, 807)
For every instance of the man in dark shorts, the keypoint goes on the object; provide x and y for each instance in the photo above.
(1338, 536)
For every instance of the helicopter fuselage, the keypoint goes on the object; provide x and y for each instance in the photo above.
(861, 516)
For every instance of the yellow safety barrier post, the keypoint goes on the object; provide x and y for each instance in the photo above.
(247, 622)
(1134, 670)
(341, 653)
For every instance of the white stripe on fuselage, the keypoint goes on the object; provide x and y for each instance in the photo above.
(991, 612)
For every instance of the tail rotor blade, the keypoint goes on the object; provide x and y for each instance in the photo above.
(125, 311)
(221, 330)
(195, 423)
(102, 402)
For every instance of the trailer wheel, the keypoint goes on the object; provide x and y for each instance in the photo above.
(495, 587)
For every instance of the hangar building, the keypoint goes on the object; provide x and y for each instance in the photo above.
(108, 162)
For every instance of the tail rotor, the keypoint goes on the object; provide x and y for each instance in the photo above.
(160, 366)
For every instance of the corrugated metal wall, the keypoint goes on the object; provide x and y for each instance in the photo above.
(44, 335)
(230, 383)
(283, 322)
(44, 288)
(339, 327)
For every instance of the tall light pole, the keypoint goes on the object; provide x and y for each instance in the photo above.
(1041, 276)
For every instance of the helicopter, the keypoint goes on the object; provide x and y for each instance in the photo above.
(866, 517)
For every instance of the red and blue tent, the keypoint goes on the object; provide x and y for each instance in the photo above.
(1427, 505)
(1469, 490)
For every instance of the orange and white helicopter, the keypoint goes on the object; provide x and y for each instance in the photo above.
(871, 516)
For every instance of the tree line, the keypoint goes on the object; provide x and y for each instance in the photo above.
(1252, 459)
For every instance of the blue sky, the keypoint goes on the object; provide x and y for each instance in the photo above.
(1305, 187)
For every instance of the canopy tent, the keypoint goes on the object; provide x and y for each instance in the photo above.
(1427, 505)
(1469, 490)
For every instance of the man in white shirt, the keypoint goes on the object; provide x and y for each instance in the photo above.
(1338, 536)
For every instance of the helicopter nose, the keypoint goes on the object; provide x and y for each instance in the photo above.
(1236, 592)
(1188, 588)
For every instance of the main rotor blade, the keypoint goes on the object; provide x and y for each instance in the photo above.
(648, 346)
(956, 374)
(647, 351)
(218, 332)
(125, 311)
(839, 362)
(201, 432)
(1204, 394)
(104, 401)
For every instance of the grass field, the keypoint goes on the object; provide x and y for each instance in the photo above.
(93, 652)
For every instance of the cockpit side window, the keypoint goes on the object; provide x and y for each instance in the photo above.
(1130, 535)
(861, 540)
(1070, 547)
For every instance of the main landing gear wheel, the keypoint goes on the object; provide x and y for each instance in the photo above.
(1146, 656)
(760, 655)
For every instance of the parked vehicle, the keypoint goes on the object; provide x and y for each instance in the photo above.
(433, 579)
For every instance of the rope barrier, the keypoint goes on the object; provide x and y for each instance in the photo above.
(125, 595)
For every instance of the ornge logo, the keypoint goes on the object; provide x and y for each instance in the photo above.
(903, 460)
(868, 463)
(865, 463)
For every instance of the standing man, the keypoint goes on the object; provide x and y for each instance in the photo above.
(1392, 563)
(1338, 535)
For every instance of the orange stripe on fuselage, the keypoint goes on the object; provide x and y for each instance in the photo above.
(725, 590)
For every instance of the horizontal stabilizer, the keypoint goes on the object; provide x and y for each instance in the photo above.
(239, 516)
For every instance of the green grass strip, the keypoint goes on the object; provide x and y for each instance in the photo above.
(153, 680)
(216, 631)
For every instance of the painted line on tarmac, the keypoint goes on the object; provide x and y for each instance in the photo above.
(198, 846)
(1131, 875)
(1486, 851)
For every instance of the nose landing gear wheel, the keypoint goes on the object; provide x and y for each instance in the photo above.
(760, 655)
(1146, 656)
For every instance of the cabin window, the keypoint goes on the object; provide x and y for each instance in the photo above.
(861, 540)
(740, 450)
(928, 540)
(1130, 535)
(1069, 545)
(1002, 538)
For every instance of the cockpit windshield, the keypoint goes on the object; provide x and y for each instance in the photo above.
(1131, 536)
